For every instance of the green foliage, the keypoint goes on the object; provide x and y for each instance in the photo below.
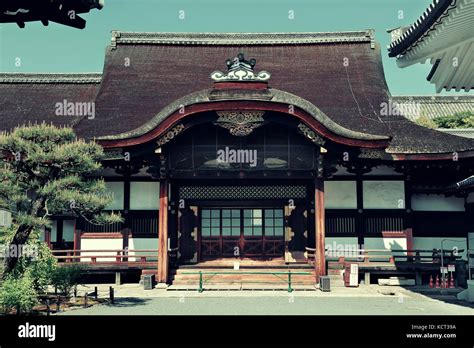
(65, 278)
(18, 293)
(45, 171)
(458, 120)
(40, 269)
(37, 262)
(426, 122)
(48, 165)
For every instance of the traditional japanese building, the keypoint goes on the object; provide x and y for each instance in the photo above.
(260, 146)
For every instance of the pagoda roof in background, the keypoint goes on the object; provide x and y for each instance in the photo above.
(444, 36)
(167, 67)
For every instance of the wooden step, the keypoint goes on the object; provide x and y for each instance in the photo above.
(262, 278)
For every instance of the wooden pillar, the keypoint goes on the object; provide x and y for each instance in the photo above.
(320, 254)
(163, 234)
(360, 215)
(77, 242)
(408, 215)
(47, 237)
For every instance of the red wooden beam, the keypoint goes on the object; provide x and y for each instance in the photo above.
(302, 115)
(163, 234)
(320, 253)
(77, 239)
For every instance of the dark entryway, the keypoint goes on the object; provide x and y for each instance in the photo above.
(242, 232)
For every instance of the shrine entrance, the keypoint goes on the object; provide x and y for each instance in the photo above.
(242, 232)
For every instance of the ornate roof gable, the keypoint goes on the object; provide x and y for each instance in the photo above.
(240, 69)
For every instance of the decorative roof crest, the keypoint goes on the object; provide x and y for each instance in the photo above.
(240, 69)
(240, 123)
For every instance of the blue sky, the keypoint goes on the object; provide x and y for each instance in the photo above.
(58, 48)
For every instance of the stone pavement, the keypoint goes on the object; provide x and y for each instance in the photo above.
(136, 290)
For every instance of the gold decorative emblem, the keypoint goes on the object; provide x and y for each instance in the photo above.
(315, 138)
(240, 123)
(170, 134)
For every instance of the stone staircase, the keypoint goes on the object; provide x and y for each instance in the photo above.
(245, 278)
(249, 277)
(336, 277)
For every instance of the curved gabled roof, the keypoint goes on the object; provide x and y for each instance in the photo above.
(338, 74)
(167, 66)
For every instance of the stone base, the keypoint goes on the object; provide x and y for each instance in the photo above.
(397, 281)
(161, 286)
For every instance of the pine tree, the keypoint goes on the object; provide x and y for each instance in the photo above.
(45, 170)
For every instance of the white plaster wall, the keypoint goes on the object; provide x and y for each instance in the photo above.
(144, 195)
(116, 188)
(68, 230)
(54, 231)
(423, 202)
(101, 244)
(141, 244)
(339, 243)
(429, 243)
(386, 243)
(383, 194)
(340, 195)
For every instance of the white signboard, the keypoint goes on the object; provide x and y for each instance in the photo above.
(354, 280)
(444, 269)
(451, 268)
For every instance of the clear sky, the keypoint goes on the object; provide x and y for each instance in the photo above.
(58, 48)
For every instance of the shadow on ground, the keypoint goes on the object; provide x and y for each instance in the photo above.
(124, 302)
(444, 295)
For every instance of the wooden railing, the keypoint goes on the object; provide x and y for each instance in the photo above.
(95, 255)
(287, 280)
(391, 256)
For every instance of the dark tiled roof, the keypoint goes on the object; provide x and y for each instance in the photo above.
(432, 16)
(460, 132)
(166, 67)
(159, 73)
(50, 78)
(32, 98)
(232, 39)
(434, 106)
